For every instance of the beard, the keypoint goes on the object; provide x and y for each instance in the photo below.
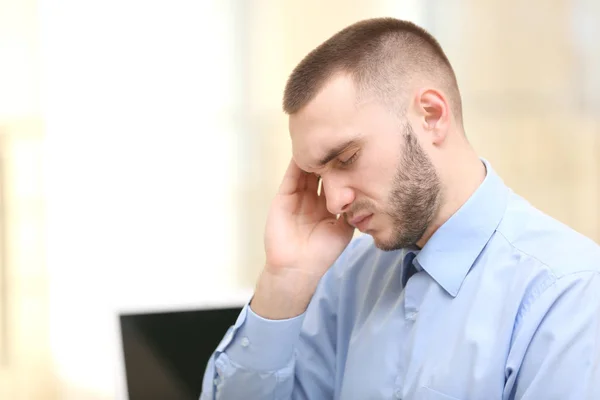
(414, 198)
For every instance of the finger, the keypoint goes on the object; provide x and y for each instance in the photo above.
(293, 180)
(322, 197)
(312, 183)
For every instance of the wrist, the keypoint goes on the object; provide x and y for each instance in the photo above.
(284, 294)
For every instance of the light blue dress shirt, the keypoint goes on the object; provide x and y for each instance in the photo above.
(504, 303)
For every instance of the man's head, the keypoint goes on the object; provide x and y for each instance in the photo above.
(373, 111)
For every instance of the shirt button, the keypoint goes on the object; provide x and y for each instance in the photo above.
(398, 393)
(216, 382)
(245, 342)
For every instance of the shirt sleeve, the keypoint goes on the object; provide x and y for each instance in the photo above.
(277, 359)
(556, 353)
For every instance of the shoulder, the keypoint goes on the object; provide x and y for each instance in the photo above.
(548, 243)
(549, 260)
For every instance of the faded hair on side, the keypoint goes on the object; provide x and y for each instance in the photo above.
(384, 57)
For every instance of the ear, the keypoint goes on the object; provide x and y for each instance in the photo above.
(434, 113)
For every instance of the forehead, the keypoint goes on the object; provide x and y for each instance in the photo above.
(326, 121)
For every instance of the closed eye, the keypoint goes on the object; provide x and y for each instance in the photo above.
(349, 161)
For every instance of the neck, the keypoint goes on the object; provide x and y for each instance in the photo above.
(459, 183)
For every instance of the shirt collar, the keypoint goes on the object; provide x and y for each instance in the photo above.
(451, 251)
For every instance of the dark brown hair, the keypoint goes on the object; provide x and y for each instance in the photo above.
(383, 56)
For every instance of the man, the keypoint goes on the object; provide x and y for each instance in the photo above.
(459, 290)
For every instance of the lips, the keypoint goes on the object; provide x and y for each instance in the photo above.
(361, 222)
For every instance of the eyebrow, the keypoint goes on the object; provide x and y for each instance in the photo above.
(336, 151)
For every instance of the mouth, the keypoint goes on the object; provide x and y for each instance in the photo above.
(361, 222)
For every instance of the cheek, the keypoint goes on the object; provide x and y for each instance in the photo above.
(374, 179)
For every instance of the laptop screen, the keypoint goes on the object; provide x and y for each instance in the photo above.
(166, 353)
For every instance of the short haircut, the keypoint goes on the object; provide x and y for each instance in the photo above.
(383, 56)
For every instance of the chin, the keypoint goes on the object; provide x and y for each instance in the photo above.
(391, 241)
(383, 242)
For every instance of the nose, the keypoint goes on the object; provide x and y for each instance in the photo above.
(338, 196)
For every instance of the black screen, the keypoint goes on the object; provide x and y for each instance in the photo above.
(166, 353)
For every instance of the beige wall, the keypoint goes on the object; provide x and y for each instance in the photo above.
(25, 369)
(520, 70)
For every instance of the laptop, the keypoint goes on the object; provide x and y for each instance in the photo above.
(165, 352)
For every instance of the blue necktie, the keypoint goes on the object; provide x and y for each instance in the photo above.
(408, 267)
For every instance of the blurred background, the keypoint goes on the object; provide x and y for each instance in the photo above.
(142, 141)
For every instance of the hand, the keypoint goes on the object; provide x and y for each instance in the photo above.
(301, 236)
(302, 240)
